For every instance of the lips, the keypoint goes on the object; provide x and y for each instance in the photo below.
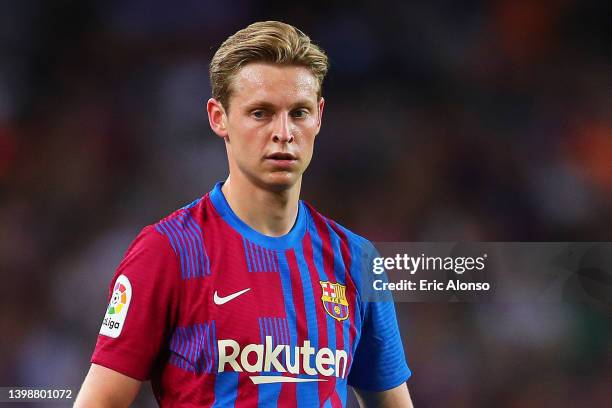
(281, 156)
(282, 161)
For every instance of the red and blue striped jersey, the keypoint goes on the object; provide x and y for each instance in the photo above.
(217, 314)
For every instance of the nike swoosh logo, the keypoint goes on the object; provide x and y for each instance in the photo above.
(219, 300)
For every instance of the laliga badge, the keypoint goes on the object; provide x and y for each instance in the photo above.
(117, 308)
(334, 300)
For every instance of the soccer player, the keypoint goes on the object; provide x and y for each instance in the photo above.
(249, 297)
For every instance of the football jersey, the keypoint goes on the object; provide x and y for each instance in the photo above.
(217, 314)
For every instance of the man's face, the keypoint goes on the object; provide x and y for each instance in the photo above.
(273, 118)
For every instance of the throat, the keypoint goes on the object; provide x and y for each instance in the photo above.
(270, 213)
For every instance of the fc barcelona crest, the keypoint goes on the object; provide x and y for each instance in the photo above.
(334, 300)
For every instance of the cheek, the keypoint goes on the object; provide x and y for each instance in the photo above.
(252, 147)
(244, 138)
(308, 127)
(307, 136)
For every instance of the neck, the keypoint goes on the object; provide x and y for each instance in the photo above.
(271, 213)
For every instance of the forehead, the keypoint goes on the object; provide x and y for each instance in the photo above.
(273, 83)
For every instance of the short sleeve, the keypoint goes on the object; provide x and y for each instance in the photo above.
(379, 363)
(143, 304)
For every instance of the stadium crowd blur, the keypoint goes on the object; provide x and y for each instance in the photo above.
(444, 121)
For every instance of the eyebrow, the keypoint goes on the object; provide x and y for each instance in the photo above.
(270, 106)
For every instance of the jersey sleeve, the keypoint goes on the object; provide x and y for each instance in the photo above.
(379, 363)
(143, 304)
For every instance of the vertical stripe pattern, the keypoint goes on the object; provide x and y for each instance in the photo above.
(323, 259)
(307, 393)
(288, 393)
(194, 348)
(187, 241)
(341, 274)
(260, 259)
(278, 329)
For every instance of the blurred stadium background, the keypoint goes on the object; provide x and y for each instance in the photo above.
(478, 120)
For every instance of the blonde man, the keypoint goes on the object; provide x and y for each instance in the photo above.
(248, 296)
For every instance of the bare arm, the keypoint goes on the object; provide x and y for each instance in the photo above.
(397, 397)
(106, 388)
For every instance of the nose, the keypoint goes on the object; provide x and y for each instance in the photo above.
(282, 130)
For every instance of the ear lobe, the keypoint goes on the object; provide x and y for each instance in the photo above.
(217, 117)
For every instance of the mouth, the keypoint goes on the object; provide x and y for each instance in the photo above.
(282, 161)
(281, 156)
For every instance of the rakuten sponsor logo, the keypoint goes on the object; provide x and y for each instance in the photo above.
(297, 360)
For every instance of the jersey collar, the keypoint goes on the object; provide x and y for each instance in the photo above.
(291, 239)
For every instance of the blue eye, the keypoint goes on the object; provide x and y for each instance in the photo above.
(300, 113)
(258, 114)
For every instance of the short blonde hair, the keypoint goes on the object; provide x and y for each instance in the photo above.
(265, 41)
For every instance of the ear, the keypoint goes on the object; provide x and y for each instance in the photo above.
(320, 118)
(217, 117)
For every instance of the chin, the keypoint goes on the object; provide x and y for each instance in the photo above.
(278, 182)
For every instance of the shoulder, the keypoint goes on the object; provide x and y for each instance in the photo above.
(182, 224)
(182, 230)
(167, 238)
(185, 219)
(353, 250)
(347, 237)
